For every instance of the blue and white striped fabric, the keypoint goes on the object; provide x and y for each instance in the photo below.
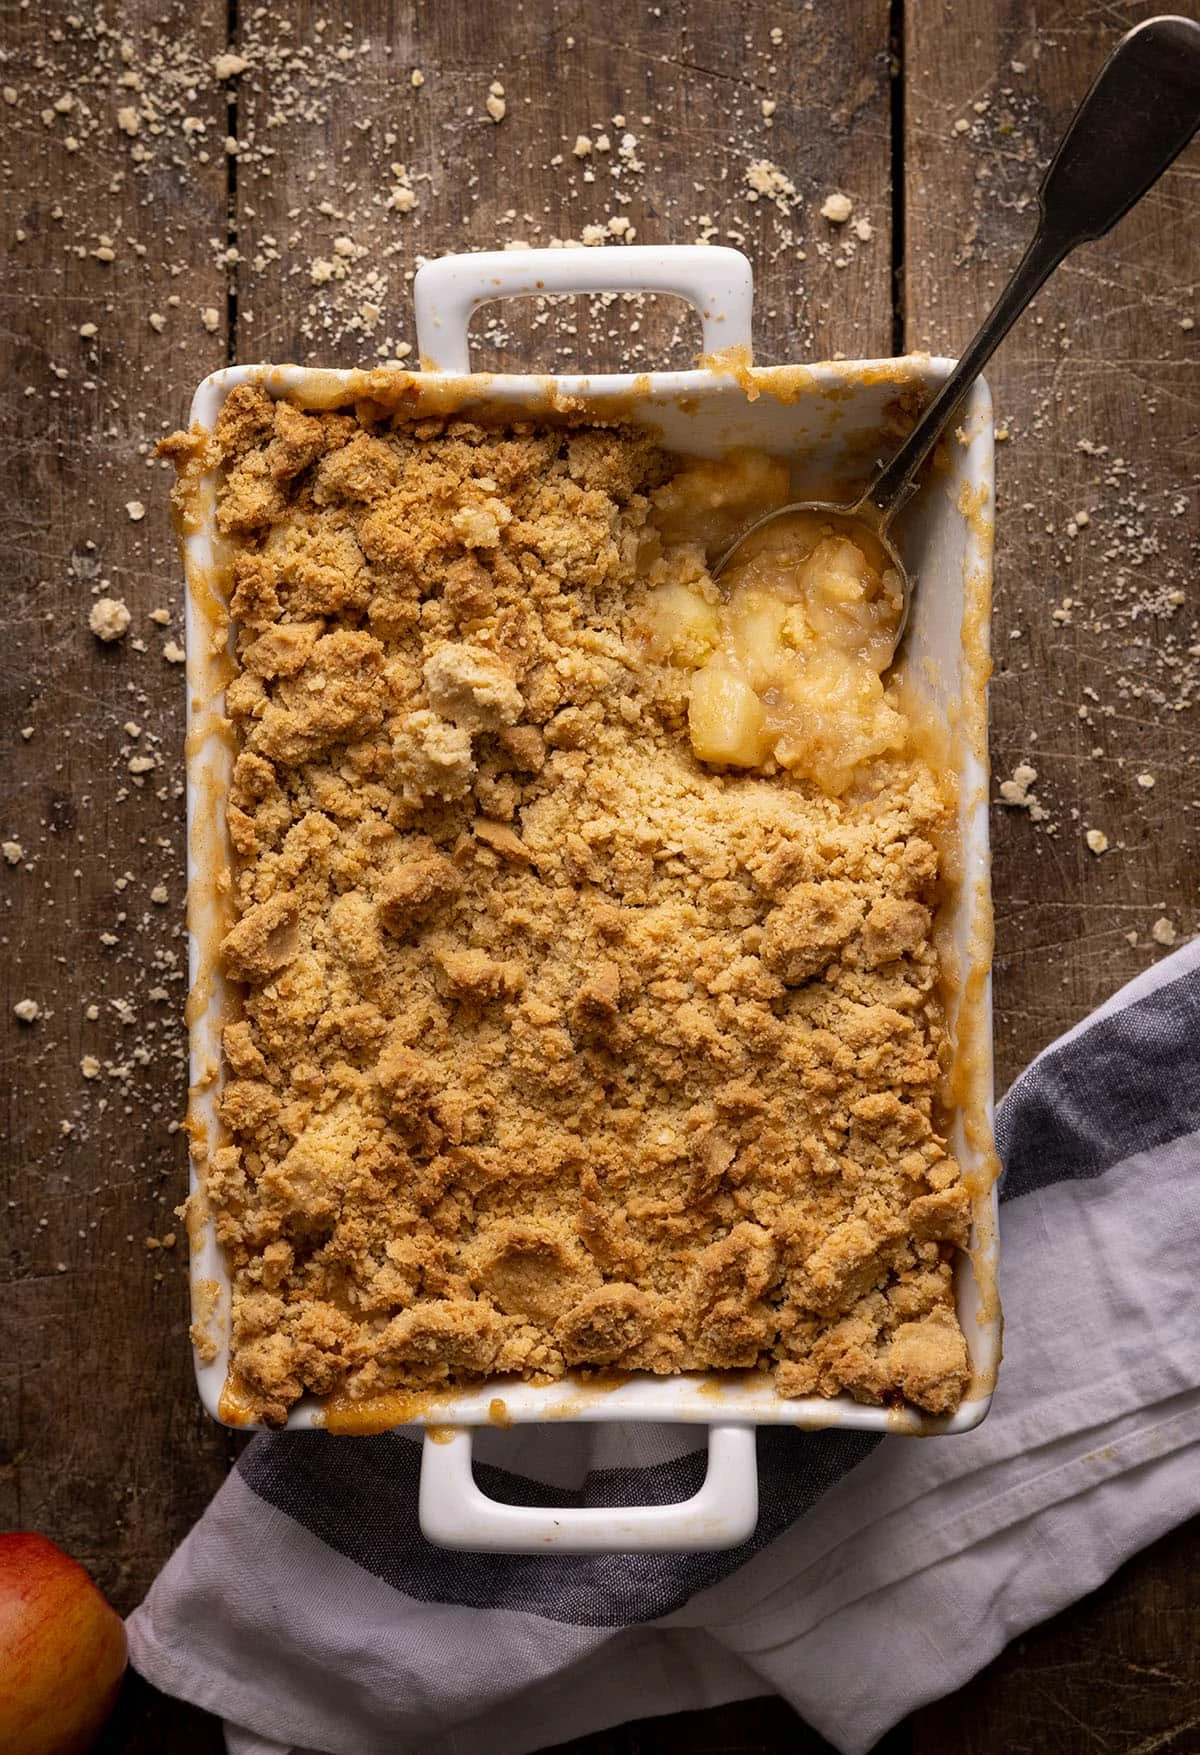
(308, 1612)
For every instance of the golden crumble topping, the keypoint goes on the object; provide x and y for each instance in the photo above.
(590, 1007)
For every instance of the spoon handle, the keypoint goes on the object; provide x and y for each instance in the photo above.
(1140, 113)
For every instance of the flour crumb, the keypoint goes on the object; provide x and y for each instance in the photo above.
(1163, 931)
(136, 511)
(837, 208)
(228, 66)
(1145, 781)
(89, 1066)
(13, 852)
(174, 653)
(210, 317)
(28, 1011)
(1097, 841)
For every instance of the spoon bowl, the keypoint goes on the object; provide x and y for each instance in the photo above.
(863, 524)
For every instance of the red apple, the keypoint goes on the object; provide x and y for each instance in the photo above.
(62, 1651)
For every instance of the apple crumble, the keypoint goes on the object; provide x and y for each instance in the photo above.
(584, 924)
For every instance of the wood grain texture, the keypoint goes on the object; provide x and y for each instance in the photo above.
(1099, 390)
(288, 164)
(686, 82)
(102, 1444)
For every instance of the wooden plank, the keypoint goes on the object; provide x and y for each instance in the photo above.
(1094, 685)
(103, 1443)
(1098, 389)
(110, 216)
(686, 85)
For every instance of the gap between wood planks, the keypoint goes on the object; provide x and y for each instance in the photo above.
(232, 117)
(896, 83)
(897, 74)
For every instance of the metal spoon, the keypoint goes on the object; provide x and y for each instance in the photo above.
(1138, 116)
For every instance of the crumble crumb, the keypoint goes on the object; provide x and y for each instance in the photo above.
(559, 1047)
(767, 181)
(1097, 840)
(837, 208)
(1163, 931)
(1018, 792)
(28, 1011)
(108, 618)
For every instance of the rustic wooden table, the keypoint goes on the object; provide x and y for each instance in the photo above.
(187, 184)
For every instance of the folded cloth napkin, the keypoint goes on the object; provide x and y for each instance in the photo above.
(306, 1609)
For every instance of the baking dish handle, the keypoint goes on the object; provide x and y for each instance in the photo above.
(718, 282)
(455, 1514)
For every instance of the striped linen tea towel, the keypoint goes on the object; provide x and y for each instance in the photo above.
(308, 1612)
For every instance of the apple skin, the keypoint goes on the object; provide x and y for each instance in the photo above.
(62, 1650)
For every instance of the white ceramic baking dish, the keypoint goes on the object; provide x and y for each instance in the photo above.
(828, 418)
